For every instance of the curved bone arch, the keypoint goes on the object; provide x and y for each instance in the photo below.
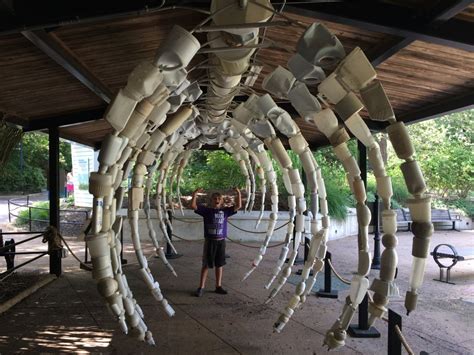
(156, 128)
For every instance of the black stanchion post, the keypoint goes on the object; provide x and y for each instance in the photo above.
(122, 260)
(86, 252)
(307, 242)
(362, 330)
(394, 342)
(169, 251)
(327, 292)
(376, 260)
(298, 260)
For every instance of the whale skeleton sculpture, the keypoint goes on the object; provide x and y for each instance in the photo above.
(156, 127)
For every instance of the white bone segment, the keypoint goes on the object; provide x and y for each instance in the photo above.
(182, 165)
(135, 201)
(151, 230)
(157, 124)
(282, 83)
(128, 115)
(172, 123)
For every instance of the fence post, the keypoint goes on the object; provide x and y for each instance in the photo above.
(9, 213)
(29, 218)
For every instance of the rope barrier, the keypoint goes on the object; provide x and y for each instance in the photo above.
(247, 231)
(185, 221)
(253, 246)
(54, 238)
(233, 241)
(233, 225)
(84, 266)
(187, 240)
(347, 282)
(404, 341)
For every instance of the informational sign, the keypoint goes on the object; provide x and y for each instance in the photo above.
(84, 161)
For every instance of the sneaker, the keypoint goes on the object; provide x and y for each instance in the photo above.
(199, 292)
(220, 291)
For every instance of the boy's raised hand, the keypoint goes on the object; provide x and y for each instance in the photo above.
(198, 190)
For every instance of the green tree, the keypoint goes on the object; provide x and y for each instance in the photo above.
(27, 166)
(444, 149)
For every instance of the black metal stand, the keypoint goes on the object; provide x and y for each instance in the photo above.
(122, 260)
(327, 292)
(362, 330)
(298, 260)
(394, 342)
(170, 254)
(376, 260)
(307, 241)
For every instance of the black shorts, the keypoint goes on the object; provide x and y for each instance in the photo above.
(213, 253)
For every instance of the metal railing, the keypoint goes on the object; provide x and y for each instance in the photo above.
(21, 203)
(8, 250)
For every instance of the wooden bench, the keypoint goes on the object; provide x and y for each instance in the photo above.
(402, 219)
(453, 254)
(437, 216)
(443, 216)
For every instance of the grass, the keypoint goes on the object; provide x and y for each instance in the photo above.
(39, 212)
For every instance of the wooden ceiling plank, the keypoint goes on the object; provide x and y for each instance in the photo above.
(53, 47)
(390, 19)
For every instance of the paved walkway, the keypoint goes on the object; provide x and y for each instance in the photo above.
(42, 196)
(68, 315)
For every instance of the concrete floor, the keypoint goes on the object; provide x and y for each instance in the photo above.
(68, 316)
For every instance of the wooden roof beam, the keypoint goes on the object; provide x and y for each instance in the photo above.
(390, 19)
(64, 120)
(443, 13)
(54, 48)
(22, 15)
(454, 104)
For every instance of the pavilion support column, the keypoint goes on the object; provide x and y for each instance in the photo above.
(55, 255)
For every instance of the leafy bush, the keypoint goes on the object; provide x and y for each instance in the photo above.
(39, 212)
(465, 206)
(211, 170)
(29, 179)
(69, 201)
(338, 200)
(400, 192)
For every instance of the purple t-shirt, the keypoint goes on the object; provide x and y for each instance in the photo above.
(215, 221)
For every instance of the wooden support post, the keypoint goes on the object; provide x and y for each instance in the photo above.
(55, 255)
